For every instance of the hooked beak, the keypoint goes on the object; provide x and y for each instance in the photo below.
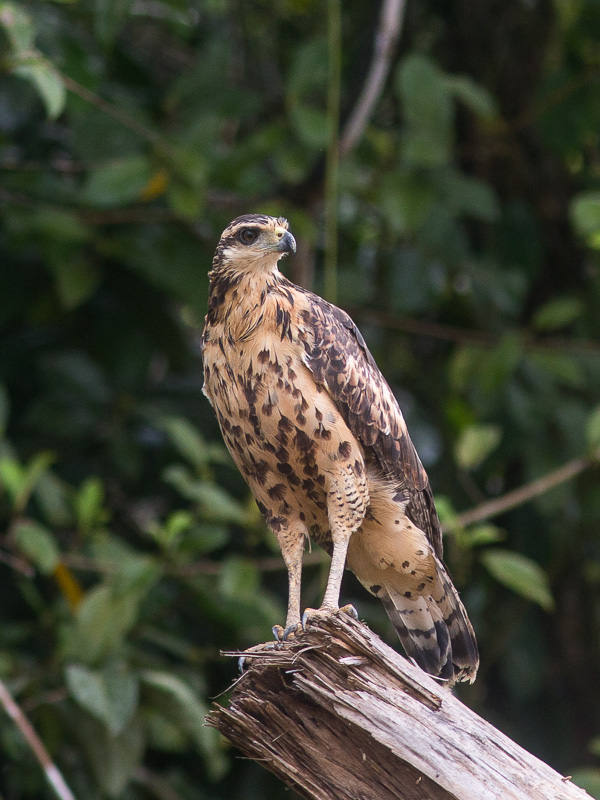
(287, 243)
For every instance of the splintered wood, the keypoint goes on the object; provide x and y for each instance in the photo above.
(339, 715)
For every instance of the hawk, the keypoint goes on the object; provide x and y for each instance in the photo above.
(320, 439)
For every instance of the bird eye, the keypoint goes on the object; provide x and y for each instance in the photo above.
(248, 235)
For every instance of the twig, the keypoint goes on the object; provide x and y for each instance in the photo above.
(56, 165)
(135, 213)
(438, 330)
(390, 22)
(434, 330)
(17, 563)
(156, 785)
(562, 93)
(125, 216)
(333, 158)
(266, 564)
(486, 510)
(205, 567)
(53, 774)
(48, 698)
(116, 113)
(510, 500)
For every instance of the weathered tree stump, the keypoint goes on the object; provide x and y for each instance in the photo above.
(339, 715)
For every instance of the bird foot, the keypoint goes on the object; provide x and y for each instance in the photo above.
(281, 635)
(290, 632)
(245, 659)
(323, 612)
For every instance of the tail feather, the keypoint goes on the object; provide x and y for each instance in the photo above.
(424, 637)
(434, 629)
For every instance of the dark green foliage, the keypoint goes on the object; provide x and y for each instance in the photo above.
(469, 231)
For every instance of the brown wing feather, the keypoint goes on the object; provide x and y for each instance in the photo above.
(340, 360)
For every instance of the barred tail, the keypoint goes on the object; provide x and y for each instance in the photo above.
(434, 629)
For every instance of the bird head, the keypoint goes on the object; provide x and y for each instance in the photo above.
(253, 242)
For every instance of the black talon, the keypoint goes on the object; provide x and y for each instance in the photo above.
(278, 633)
(289, 630)
(351, 611)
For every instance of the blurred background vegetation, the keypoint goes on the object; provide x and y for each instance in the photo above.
(467, 224)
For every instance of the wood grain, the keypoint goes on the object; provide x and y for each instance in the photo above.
(339, 715)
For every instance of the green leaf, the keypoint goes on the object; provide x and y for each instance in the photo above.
(205, 538)
(187, 439)
(175, 698)
(175, 524)
(215, 502)
(190, 166)
(218, 505)
(79, 374)
(564, 368)
(426, 148)
(51, 494)
(34, 470)
(422, 88)
(311, 125)
(118, 183)
(405, 200)
(585, 214)
(46, 80)
(20, 481)
(109, 17)
(111, 694)
(102, 620)
(521, 574)
(446, 511)
(499, 363)
(18, 26)
(61, 225)
(463, 365)
(89, 504)
(185, 200)
(309, 68)
(475, 443)
(428, 111)
(87, 688)
(76, 278)
(38, 544)
(557, 313)
(472, 94)
(479, 535)
(238, 577)
(592, 429)
(465, 194)
(113, 759)
(138, 574)
(12, 476)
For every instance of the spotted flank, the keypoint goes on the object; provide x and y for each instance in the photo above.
(318, 435)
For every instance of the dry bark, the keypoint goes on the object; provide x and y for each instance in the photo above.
(339, 715)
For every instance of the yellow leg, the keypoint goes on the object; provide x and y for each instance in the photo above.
(331, 598)
(291, 542)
